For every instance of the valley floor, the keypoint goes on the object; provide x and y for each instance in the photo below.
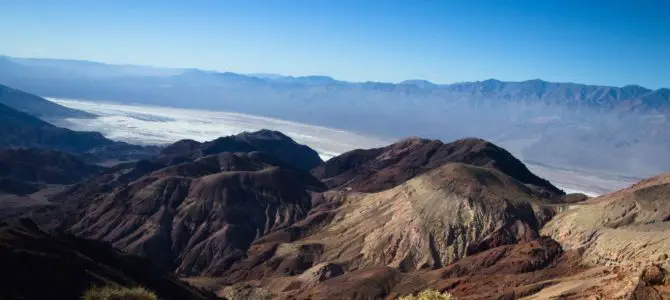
(571, 181)
(141, 124)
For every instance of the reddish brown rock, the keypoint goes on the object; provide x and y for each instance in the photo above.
(198, 217)
(379, 169)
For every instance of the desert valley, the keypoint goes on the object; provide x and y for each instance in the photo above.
(334, 150)
(256, 214)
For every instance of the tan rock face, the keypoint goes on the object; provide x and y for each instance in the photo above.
(627, 229)
(427, 222)
(479, 228)
(622, 227)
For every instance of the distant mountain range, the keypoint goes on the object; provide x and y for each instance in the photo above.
(573, 94)
(615, 130)
(259, 216)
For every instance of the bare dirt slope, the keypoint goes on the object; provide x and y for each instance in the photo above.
(627, 229)
(433, 219)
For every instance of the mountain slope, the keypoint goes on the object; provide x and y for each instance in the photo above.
(427, 222)
(44, 166)
(383, 168)
(471, 231)
(29, 171)
(197, 217)
(37, 106)
(626, 227)
(272, 142)
(39, 266)
(21, 130)
(436, 218)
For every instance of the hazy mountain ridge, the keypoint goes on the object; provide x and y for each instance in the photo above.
(615, 130)
(535, 89)
(21, 130)
(37, 106)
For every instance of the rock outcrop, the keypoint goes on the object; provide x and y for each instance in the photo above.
(379, 169)
(627, 229)
(272, 142)
(625, 226)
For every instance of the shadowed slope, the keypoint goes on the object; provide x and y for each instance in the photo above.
(21, 130)
(37, 106)
(39, 266)
(44, 166)
(272, 142)
(29, 176)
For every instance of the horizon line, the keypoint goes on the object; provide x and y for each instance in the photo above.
(254, 74)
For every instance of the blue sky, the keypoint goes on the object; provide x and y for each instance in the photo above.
(588, 41)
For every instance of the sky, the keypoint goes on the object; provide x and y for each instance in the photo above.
(610, 42)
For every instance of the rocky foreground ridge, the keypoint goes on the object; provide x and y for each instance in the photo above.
(258, 216)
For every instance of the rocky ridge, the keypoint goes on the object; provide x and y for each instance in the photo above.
(199, 216)
(464, 217)
(379, 169)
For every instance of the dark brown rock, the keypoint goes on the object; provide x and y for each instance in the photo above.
(21, 130)
(379, 169)
(274, 143)
(653, 275)
(44, 166)
(36, 265)
(197, 217)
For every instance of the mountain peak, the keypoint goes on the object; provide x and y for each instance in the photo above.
(419, 83)
(273, 142)
(266, 134)
(378, 169)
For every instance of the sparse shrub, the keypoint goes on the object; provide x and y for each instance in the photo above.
(429, 295)
(119, 293)
(246, 292)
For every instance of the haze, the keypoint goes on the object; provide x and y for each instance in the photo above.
(376, 72)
